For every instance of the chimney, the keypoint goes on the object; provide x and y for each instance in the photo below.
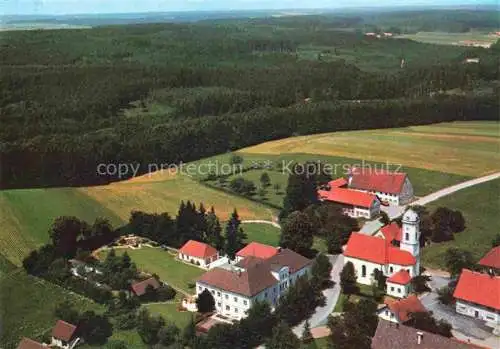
(420, 335)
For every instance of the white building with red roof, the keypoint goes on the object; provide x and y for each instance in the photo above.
(478, 295)
(399, 263)
(491, 261)
(259, 275)
(256, 249)
(198, 253)
(354, 203)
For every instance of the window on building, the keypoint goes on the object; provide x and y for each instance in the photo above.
(245, 302)
(228, 308)
(363, 271)
(399, 290)
(407, 236)
(213, 292)
(235, 310)
(219, 304)
(235, 299)
(218, 293)
(227, 297)
(391, 269)
(392, 288)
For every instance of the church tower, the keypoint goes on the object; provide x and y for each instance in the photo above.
(410, 237)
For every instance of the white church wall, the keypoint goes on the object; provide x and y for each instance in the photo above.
(367, 279)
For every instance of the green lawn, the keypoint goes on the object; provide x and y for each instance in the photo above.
(169, 312)
(130, 337)
(479, 205)
(28, 303)
(263, 233)
(365, 291)
(443, 38)
(163, 263)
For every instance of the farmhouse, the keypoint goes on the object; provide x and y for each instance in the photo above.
(399, 311)
(354, 203)
(27, 343)
(236, 287)
(478, 295)
(396, 336)
(64, 335)
(139, 288)
(198, 253)
(491, 261)
(394, 188)
(399, 264)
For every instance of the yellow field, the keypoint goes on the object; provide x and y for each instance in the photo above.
(150, 194)
(465, 148)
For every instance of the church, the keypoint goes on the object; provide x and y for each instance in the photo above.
(398, 261)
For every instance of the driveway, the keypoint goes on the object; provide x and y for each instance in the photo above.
(321, 313)
(463, 326)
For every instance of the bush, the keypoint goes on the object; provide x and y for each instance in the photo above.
(191, 285)
(445, 295)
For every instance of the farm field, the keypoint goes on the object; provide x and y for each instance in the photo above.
(26, 215)
(31, 303)
(161, 262)
(479, 205)
(463, 148)
(458, 39)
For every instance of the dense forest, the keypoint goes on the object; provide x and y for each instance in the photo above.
(163, 93)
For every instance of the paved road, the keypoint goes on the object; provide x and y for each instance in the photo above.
(450, 190)
(320, 316)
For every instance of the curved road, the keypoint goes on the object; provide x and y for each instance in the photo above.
(450, 190)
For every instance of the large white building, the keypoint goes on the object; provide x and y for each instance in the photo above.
(399, 263)
(478, 295)
(354, 203)
(236, 287)
(393, 188)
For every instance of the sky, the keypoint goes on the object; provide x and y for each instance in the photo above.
(122, 6)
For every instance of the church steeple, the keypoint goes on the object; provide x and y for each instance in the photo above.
(410, 237)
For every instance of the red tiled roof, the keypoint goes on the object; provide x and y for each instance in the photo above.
(377, 180)
(402, 277)
(257, 275)
(139, 288)
(404, 307)
(197, 249)
(258, 250)
(392, 232)
(27, 343)
(492, 258)
(478, 288)
(376, 250)
(337, 183)
(393, 336)
(63, 330)
(348, 197)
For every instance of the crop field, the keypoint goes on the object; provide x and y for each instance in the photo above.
(31, 302)
(479, 205)
(463, 148)
(26, 215)
(458, 39)
(163, 263)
